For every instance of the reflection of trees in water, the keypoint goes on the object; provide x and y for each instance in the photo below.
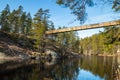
(100, 66)
(39, 71)
(32, 71)
(63, 70)
(116, 69)
(66, 70)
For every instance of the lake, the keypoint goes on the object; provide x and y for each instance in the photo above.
(83, 68)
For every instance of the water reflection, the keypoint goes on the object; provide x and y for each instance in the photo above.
(98, 66)
(85, 68)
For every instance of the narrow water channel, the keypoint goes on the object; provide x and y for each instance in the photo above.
(84, 68)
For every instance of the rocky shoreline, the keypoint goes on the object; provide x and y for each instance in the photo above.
(12, 47)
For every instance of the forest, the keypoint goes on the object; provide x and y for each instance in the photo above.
(20, 22)
(106, 42)
(27, 52)
(30, 32)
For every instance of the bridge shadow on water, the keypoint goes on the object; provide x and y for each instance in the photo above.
(85, 68)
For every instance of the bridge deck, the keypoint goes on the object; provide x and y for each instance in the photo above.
(84, 27)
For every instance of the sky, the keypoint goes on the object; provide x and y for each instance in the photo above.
(62, 16)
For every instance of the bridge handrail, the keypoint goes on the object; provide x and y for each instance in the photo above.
(84, 27)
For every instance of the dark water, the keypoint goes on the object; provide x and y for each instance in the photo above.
(85, 68)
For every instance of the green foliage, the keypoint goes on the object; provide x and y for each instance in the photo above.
(111, 34)
(16, 21)
(22, 40)
(116, 5)
(29, 24)
(21, 23)
(41, 24)
(104, 42)
(4, 22)
(78, 7)
(69, 40)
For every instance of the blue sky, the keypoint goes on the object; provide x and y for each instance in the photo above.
(61, 16)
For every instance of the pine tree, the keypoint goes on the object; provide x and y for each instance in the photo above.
(28, 24)
(22, 22)
(4, 21)
(40, 26)
(17, 16)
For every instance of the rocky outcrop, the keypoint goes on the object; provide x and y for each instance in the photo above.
(14, 46)
(10, 48)
(60, 51)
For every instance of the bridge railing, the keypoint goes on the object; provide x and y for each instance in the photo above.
(84, 27)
